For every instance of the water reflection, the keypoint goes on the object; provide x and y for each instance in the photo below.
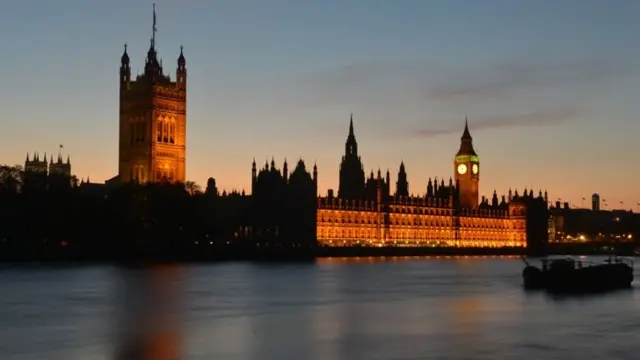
(149, 318)
(426, 308)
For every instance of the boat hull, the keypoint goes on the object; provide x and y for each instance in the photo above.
(598, 278)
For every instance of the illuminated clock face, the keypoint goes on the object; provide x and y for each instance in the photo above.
(462, 169)
(475, 169)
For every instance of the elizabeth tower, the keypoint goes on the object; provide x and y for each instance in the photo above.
(467, 171)
(153, 120)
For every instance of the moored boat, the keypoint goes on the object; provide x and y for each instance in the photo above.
(571, 275)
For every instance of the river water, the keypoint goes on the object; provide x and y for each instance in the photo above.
(405, 308)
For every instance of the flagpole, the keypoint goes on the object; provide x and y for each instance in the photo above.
(154, 29)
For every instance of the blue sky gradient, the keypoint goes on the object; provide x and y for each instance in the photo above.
(550, 87)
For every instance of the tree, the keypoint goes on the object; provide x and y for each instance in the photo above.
(192, 188)
(11, 178)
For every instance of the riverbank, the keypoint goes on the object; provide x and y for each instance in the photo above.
(230, 253)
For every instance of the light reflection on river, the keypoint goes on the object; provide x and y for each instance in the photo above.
(405, 308)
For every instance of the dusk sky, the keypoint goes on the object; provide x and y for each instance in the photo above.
(551, 87)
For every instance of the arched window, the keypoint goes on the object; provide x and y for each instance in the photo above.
(159, 129)
(172, 135)
(165, 130)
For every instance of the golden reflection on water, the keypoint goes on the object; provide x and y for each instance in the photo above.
(150, 324)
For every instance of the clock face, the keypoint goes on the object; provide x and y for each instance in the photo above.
(462, 169)
(475, 169)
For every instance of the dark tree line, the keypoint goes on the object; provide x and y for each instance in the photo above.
(49, 217)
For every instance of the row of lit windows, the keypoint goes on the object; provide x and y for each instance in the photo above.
(165, 130)
(372, 218)
(360, 219)
(432, 243)
(419, 210)
(417, 222)
(416, 236)
(427, 224)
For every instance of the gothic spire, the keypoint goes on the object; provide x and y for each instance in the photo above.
(466, 135)
(351, 146)
(154, 29)
(124, 60)
(351, 126)
(466, 141)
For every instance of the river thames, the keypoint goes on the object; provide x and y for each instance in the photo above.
(405, 308)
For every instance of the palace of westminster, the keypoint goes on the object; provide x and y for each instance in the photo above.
(364, 212)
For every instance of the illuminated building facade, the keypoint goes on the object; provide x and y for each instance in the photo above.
(152, 145)
(366, 214)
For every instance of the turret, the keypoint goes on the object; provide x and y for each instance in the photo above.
(351, 146)
(254, 175)
(285, 170)
(315, 176)
(181, 71)
(125, 70)
(402, 185)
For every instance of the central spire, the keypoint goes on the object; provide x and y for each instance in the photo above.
(154, 29)
(351, 146)
(466, 142)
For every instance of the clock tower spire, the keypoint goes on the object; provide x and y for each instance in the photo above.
(467, 170)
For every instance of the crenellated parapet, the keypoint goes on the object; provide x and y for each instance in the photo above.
(333, 203)
(421, 201)
(484, 213)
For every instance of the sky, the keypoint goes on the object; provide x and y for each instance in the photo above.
(550, 87)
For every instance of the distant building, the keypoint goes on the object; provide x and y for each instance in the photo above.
(37, 166)
(595, 202)
(587, 225)
(153, 121)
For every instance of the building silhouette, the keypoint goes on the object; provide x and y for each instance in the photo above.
(152, 135)
(352, 178)
(46, 172)
(283, 206)
(35, 165)
(595, 202)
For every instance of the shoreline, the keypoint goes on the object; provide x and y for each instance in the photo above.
(292, 255)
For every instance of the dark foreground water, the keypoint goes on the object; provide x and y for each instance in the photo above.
(431, 308)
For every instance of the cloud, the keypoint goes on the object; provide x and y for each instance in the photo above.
(504, 78)
(415, 81)
(534, 119)
(360, 83)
